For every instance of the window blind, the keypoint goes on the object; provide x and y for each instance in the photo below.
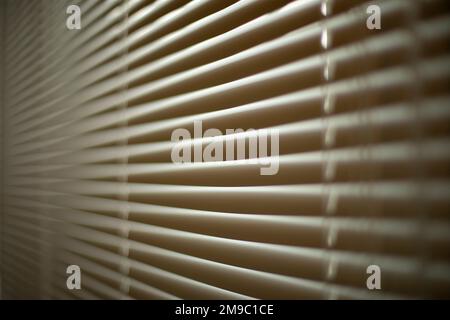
(364, 149)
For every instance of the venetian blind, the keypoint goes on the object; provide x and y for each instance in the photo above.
(364, 149)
